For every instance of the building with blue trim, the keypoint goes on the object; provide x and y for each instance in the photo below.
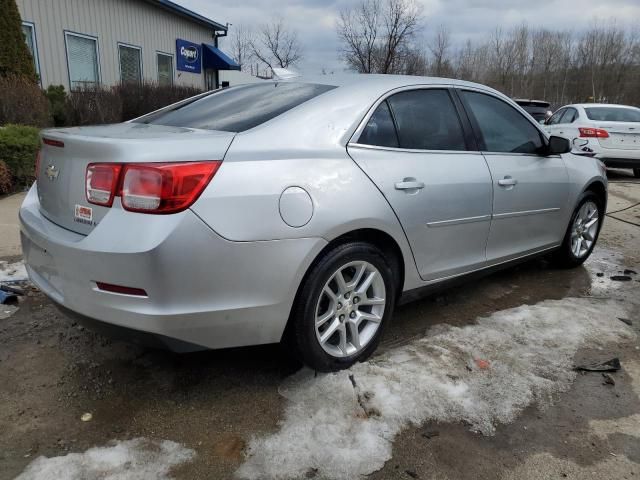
(80, 43)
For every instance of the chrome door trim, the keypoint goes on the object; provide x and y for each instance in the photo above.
(525, 213)
(458, 221)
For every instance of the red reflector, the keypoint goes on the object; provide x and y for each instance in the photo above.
(593, 133)
(108, 287)
(53, 143)
(102, 182)
(164, 187)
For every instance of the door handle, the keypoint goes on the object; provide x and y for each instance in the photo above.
(409, 183)
(507, 182)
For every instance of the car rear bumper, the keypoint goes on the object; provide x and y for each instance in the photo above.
(618, 162)
(202, 290)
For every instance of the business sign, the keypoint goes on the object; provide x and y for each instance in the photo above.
(189, 56)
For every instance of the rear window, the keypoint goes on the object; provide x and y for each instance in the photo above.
(613, 114)
(238, 108)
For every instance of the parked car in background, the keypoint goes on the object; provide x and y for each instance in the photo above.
(538, 109)
(610, 132)
(299, 210)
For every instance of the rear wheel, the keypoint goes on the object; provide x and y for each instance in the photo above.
(582, 232)
(636, 172)
(345, 302)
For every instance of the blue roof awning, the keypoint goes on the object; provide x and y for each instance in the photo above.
(216, 59)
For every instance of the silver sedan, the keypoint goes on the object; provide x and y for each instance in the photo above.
(300, 211)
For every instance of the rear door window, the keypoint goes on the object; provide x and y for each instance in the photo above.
(427, 120)
(570, 115)
(503, 128)
(380, 129)
(613, 114)
(239, 108)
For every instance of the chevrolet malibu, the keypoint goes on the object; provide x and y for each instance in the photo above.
(300, 211)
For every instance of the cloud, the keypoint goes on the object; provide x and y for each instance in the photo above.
(315, 19)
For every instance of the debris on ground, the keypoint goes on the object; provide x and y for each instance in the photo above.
(411, 473)
(621, 278)
(608, 379)
(628, 271)
(429, 434)
(626, 320)
(86, 417)
(7, 298)
(482, 364)
(612, 365)
(599, 274)
(11, 289)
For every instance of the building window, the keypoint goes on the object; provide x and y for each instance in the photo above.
(130, 63)
(29, 32)
(165, 68)
(82, 60)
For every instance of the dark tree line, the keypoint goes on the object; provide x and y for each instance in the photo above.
(600, 63)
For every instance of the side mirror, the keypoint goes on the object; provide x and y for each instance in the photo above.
(558, 145)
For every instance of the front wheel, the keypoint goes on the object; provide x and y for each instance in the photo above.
(346, 300)
(582, 232)
(636, 172)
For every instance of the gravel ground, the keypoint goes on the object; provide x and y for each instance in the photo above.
(53, 371)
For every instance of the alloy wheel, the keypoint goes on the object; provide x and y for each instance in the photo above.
(585, 229)
(350, 309)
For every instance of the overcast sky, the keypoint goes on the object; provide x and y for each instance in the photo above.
(315, 20)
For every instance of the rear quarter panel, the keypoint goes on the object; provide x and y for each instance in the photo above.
(583, 172)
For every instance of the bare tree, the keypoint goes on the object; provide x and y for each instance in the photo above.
(240, 46)
(439, 47)
(275, 45)
(378, 35)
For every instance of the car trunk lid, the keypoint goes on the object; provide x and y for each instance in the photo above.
(66, 153)
(622, 135)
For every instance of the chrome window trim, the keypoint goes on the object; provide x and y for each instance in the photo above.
(411, 150)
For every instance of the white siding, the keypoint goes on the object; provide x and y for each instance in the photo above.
(133, 22)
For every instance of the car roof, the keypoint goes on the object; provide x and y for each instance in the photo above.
(590, 105)
(381, 81)
(531, 103)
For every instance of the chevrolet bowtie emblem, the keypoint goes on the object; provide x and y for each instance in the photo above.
(52, 172)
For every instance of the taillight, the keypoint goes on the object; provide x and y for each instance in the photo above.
(164, 187)
(593, 133)
(158, 188)
(102, 183)
(52, 143)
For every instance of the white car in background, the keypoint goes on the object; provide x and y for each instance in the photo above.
(611, 132)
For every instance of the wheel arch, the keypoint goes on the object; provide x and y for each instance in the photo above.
(598, 187)
(379, 238)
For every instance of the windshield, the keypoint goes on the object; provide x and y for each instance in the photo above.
(613, 114)
(236, 109)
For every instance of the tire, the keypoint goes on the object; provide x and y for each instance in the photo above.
(636, 172)
(566, 256)
(350, 314)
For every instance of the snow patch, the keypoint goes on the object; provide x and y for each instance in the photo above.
(137, 459)
(12, 271)
(343, 424)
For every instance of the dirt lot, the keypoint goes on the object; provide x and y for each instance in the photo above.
(530, 416)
